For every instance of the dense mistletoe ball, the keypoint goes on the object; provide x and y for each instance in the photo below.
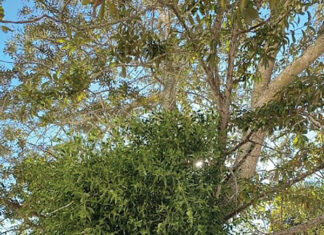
(140, 179)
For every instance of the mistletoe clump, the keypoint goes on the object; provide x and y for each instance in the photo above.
(141, 179)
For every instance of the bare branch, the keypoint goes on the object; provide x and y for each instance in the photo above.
(314, 121)
(214, 81)
(302, 227)
(211, 79)
(61, 208)
(275, 189)
(233, 46)
(244, 140)
(64, 7)
(254, 27)
(33, 20)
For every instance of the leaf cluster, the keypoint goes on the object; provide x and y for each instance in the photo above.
(141, 180)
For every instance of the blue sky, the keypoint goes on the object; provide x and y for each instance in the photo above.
(11, 8)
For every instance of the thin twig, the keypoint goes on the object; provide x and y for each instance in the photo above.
(64, 7)
(61, 208)
(28, 21)
(246, 139)
(302, 227)
(273, 190)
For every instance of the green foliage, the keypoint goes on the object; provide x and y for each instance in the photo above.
(1, 12)
(141, 180)
(290, 109)
(4, 29)
(296, 206)
(77, 66)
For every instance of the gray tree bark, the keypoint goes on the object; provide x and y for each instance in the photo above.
(250, 152)
(267, 91)
(169, 81)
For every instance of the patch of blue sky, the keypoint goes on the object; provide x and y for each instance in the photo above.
(11, 9)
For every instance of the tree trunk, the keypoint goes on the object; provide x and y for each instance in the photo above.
(249, 153)
(169, 92)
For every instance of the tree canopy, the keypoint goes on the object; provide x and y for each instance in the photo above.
(107, 106)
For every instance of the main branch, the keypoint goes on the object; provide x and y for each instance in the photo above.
(296, 67)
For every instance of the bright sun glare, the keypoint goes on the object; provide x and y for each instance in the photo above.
(199, 164)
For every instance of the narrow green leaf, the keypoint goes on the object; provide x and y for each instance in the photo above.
(243, 4)
(85, 2)
(60, 40)
(123, 71)
(102, 10)
(295, 140)
(1, 13)
(112, 8)
(69, 33)
(222, 4)
(273, 6)
(5, 29)
(250, 15)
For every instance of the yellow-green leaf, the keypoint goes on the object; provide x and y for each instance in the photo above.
(296, 140)
(112, 8)
(60, 40)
